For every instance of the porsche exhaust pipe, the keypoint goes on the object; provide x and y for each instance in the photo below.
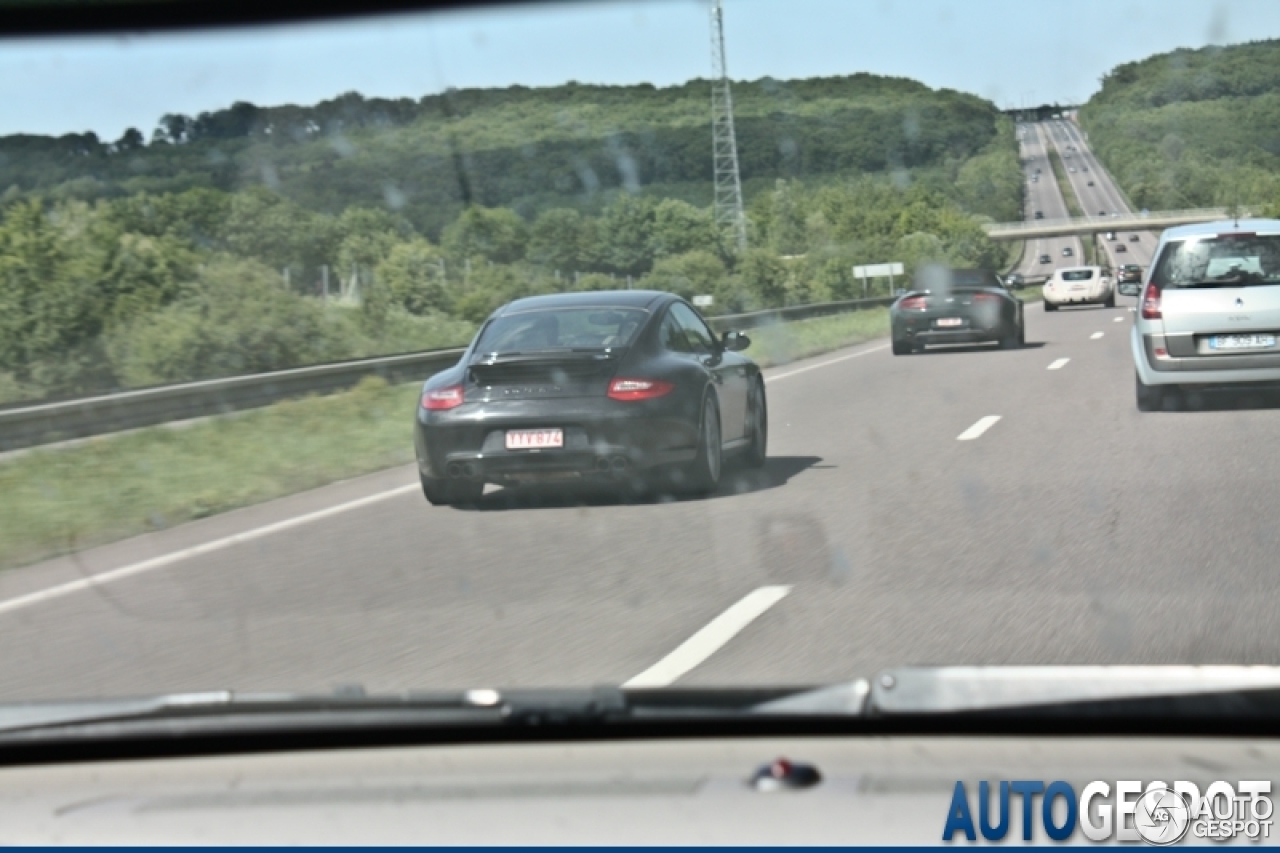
(454, 470)
(602, 464)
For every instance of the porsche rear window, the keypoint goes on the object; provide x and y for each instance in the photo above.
(561, 328)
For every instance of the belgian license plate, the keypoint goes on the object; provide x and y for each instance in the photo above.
(534, 439)
(950, 321)
(1242, 341)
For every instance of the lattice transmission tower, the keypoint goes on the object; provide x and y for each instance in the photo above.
(724, 143)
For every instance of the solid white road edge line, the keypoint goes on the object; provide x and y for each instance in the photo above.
(194, 551)
(979, 428)
(710, 638)
(1059, 364)
(780, 376)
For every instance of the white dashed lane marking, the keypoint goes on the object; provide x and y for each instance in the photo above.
(1095, 336)
(1059, 364)
(978, 429)
(710, 638)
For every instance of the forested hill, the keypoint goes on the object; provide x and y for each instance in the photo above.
(528, 149)
(1192, 128)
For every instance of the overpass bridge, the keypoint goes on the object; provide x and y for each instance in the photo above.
(1153, 220)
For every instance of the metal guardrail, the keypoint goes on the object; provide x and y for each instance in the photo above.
(756, 319)
(43, 423)
(1155, 219)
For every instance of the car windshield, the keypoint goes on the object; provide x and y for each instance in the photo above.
(561, 328)
(556, 344)
(1208, 261)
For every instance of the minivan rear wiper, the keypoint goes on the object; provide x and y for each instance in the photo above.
(1234, 281)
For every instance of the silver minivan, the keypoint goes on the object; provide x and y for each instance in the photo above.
(1209, 313)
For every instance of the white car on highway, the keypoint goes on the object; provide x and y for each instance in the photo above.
(1079, 286)
(1209, 314)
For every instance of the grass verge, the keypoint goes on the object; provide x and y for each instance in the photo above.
(1064, 184)
(57, 501)
(62, 500)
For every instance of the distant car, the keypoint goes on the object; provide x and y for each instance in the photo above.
(1039, 214)
(1134, 238)
(1035, 179)
(1015, 280)
(1072, 169)
(615, 386)
(1037, 171)
(959, 306)
(1207, 314)
(1068, 252)
(1120, 247)
(1102, 213)
(1045, 259)
(1085, 169)
(1129, 280)
(1111, 235)
(1079, 286)
(1091, 183)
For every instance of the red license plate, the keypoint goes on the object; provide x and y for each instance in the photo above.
(534, 439)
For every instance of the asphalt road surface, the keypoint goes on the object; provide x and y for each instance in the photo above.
(1045, 196)
(1065, 527)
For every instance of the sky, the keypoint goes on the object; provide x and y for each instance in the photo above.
(1013, 53)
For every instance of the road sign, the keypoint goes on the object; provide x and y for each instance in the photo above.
(703, 301)
(877, 270)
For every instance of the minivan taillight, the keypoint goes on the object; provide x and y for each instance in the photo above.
(442, 398)
(638, 389)
(913, 303)
(1151, 302)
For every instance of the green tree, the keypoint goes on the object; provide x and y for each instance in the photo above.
(690, 274)
(237, 319)
(787, 228)
(679, 227)
(414, 273)
(765, 276)
(495, 234)
(626, 235)
(563, 239)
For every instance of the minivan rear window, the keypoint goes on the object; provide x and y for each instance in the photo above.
(1077, 275)
(1224, 260)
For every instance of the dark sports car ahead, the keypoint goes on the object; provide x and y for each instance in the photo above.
(956, 306)
(627, 386)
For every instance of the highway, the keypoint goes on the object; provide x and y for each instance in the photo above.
(1045, 196)
(1072, 529)
(1103, 196)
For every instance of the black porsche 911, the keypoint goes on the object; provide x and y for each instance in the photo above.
(956, 306)
(629, 387)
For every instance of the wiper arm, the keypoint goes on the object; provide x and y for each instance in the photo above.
(895, 695)
(1033, 689)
